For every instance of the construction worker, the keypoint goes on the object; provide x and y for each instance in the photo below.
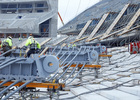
(74, 45)
(20, 39)
(69, 45)
(7, 45)
(34, 46)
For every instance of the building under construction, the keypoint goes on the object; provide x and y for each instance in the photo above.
(109, 22)
(96, 57)
(24, 17)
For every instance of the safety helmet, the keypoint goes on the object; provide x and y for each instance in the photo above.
(10, 37)
(30, 37)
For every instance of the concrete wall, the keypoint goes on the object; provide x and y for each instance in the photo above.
(53, 21)
(49, 14)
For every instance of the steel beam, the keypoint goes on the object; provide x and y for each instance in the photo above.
(5, 89)
(19, 88)
(37, 85)
(1, 83)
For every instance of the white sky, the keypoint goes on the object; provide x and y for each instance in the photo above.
(68, 9)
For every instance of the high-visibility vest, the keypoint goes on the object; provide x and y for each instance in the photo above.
(33, 44)
(74, 45)
(7, 42)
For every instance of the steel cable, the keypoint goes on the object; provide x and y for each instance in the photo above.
(91, 91)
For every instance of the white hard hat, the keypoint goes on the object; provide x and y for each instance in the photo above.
(30, 37)
(10, 37)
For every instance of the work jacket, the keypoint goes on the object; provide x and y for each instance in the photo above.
(33, 44)
(7, 42)
(74, 45)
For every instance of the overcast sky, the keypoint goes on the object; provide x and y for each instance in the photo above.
(68, 9)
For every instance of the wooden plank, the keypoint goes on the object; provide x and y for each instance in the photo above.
(44, 51)
(120, 31)
(124, 32)
(105, 55)
(115, 21)
(20, 45)
(84, 29)
(64, 44)
(47, 40)
(79, 39)
(97, 26)
(132, 21)
(87, 66)
(94, 38)
(14, 47)
(60, 41)
(112, 33)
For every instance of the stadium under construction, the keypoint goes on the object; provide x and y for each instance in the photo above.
(25, 17)
(95, 57)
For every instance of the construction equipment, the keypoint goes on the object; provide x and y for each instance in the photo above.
(35, 68)
(87, 54)
(35, 71)
(21, 69)
(84, 56)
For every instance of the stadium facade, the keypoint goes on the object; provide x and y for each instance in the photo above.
(25, 17)
(109, 22)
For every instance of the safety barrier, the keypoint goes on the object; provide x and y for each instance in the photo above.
(134, 47)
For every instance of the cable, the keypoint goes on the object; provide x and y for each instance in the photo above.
(88, 3)
(66, 9)
(78, 7)
(106, 76)
(108, 88)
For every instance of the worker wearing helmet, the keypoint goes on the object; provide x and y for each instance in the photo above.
(74, 45)
(7, 45)
(34, 45)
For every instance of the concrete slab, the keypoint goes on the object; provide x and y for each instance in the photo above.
(133, 90)
(118, 95)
